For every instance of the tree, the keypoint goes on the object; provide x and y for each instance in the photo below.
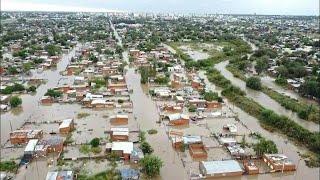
(192, 108)
(211, 96)
(26, 67)
(18, 87)
(15, 101)
(262, 64)
(7, 90)
(265, 146)
(32, 89)
(119, 49)
(146, 148)
(151, 165)
(281, 81)
(254, 83)
(53, 50)
(95, 142)
(142, 136)
(53, 93)
(12, 70)
(93, 58)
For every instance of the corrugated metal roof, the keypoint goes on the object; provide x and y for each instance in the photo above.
(31, 145)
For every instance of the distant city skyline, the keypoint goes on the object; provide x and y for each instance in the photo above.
(264, 7)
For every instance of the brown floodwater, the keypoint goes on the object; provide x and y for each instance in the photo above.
(146, 112)
(284, 146)
(270, 82)
(31, 108)
(264, 99)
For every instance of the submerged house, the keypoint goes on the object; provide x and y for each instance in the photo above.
(178, 119)
(66, 126)
(123, 149)
(23, 136)
(279, 162)
(211, 169)
(119, 134)
(119, 119)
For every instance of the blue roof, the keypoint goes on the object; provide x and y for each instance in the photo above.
(129, 174)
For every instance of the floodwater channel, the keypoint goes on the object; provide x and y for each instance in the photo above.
(264, 99)
(146, 113)
(284, 146)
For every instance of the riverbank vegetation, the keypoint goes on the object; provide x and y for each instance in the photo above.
(304, 110)
(267, 118)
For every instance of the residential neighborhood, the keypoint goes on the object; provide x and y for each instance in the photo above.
(121, 95)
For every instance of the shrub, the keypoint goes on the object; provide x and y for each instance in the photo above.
(192, 108)
(146, 148)
(85, 149)
(53, 93)
(265, 146)
(151, 165)
(95, 142)
(211, 96)
(254, 83)
(82, 115)
(8, 166)
(142, 136)
(32, 89)
(152, 131)
(96, 150)
(15, 101)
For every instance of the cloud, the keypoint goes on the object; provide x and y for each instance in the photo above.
(291, 7)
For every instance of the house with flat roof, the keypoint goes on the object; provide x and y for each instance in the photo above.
(119, 119)
(23, 136)
(119, 134)
(279, 162)
(211, 169)
(178, 119)
(123, 149)
(66, 126)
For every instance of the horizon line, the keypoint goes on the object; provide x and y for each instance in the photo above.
(157, 13)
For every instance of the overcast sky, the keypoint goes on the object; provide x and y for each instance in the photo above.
(281, 7)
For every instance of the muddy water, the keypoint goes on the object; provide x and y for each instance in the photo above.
(269, 81)
(146, 112)
(30, 103)
(194, 54)
(284, 146)
(264, 99)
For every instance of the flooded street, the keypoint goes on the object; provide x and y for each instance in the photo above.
(146, 112)
(31, 108)
(284, 146)
(264, 99)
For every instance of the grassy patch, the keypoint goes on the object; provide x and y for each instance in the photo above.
(82, 115)
(8, 166)
(152, 131)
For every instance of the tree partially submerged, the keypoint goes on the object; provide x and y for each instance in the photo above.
(151, 165)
